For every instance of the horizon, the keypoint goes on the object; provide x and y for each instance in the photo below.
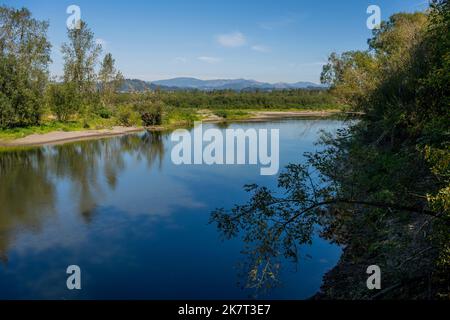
(286, 42)
(219, 79)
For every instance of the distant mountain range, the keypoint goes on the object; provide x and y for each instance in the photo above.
(209, 85)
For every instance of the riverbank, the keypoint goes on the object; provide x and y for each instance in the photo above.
(270, 115)
(59, 136)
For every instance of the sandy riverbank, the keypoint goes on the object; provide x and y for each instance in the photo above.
(256, 116)
(268, 115)
(59, 137)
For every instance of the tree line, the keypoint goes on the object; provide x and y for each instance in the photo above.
(26, 90)
(29, 96)
(231, 99)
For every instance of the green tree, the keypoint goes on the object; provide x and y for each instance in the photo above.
(63, 100)
(80, 59)
(24, 60)
(110, 79)
(380, 187)
(351, 75)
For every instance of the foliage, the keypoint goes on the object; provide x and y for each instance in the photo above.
(47, 126)
(24, 59)
(350, 76)
(63, 100)
(110, 79)
(103, 112)
(228, 99)
(127, 117)
(379, 187)
(180, 116)
(151, 112)
(80, 58)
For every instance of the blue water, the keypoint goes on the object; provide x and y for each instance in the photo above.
(135, 223)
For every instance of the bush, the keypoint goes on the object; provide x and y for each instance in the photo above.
(178, 116)
(103, 112)
(221, 113)
(151, 113)
(127, 117)
(63, 100)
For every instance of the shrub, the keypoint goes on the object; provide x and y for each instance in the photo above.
(63, 100)
(103, 112)
(127, 117)
(151, 112)
(177, 116)
(221, 113)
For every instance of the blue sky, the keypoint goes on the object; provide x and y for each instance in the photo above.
(274, 41)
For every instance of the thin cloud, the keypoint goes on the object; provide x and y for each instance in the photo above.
(277, 24)
(260, 48)
(210, 60)
(180, 60)
(232, 40)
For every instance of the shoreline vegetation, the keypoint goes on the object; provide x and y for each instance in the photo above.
(63, 134)
(379, 188)
(90, 94)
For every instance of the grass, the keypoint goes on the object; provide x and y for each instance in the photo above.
(232, 114)
(53, 125)
(180, 116)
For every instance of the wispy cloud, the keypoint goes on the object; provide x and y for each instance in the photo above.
(232, 40)
(277, 24)
(180, 60)
(260, 48)
(210, 60)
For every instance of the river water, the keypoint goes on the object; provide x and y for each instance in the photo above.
(135, 223)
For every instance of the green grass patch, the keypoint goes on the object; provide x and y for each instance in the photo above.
(232, 114)
(180, 116)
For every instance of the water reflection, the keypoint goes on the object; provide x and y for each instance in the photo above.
(27, 193)
(135, 223)
(29, 178)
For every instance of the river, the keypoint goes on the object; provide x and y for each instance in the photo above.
(135, 223)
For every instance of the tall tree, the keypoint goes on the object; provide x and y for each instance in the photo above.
(110, 79)
(25, 56)
(80, 58)
(351, 75)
